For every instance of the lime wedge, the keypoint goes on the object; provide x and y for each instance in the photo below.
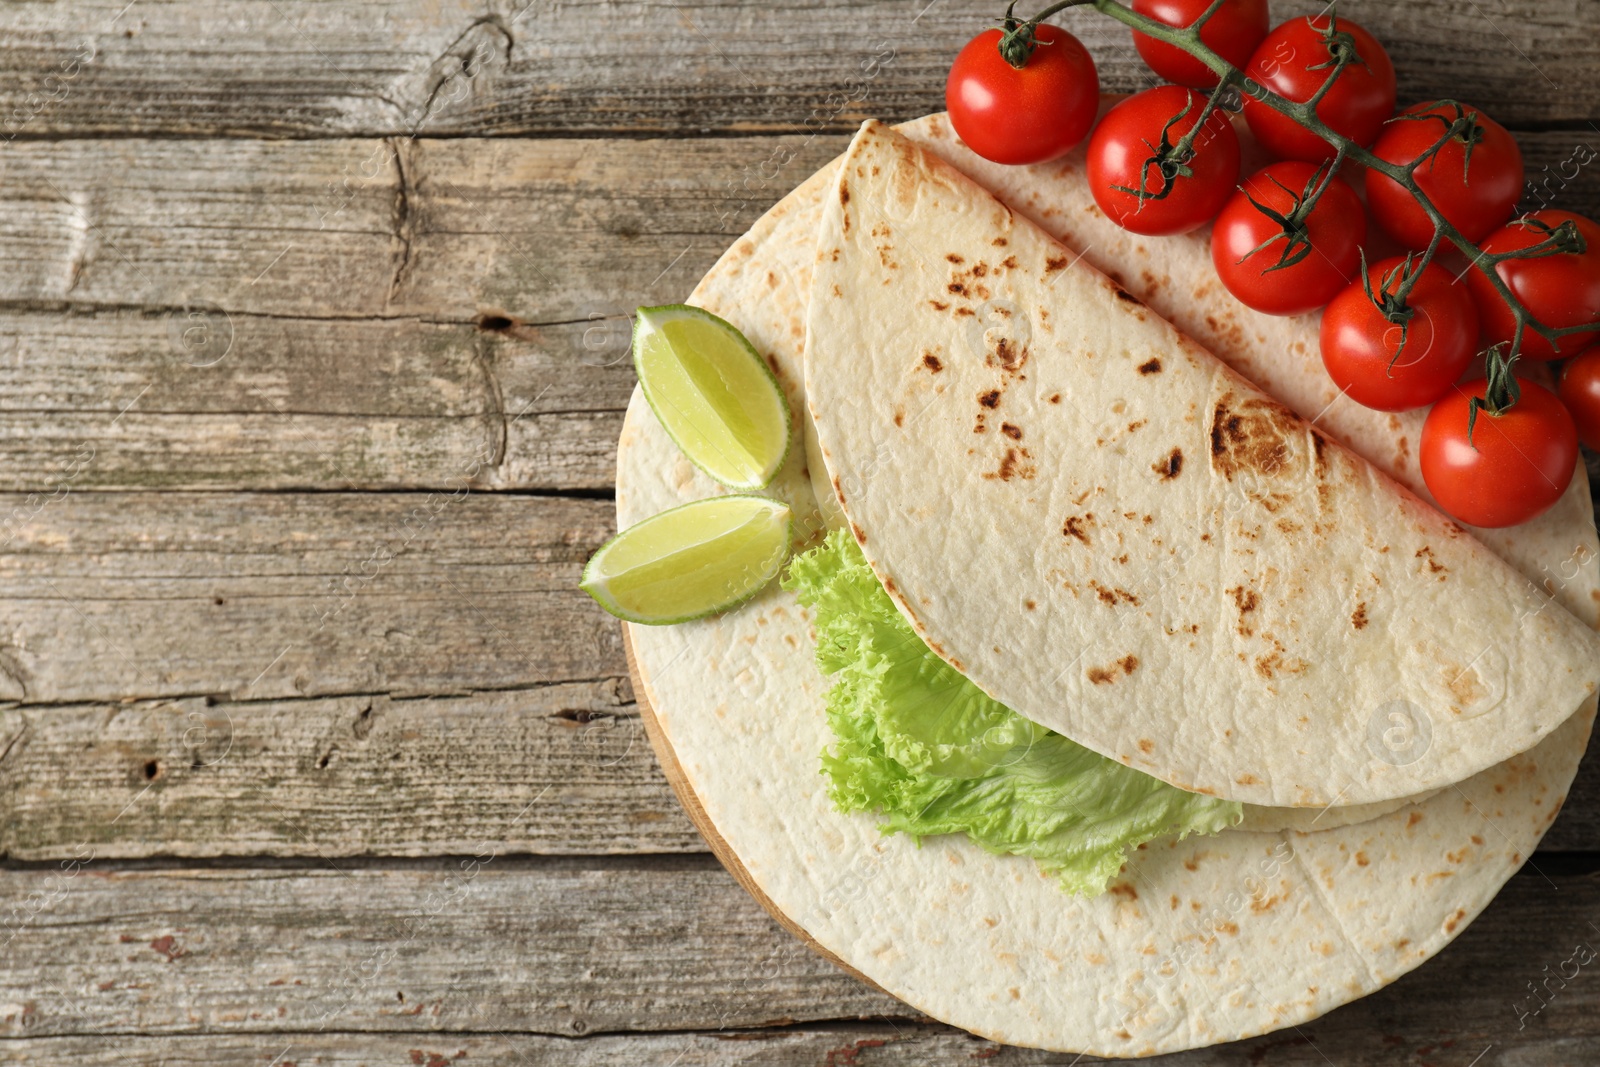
(691, 560)
(712, 393)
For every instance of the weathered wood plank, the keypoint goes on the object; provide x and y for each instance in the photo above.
(871, 1044)
(512, 67)
(548, 231)
(480, 943)
(490, 945)
(260, 596)
(563, 769)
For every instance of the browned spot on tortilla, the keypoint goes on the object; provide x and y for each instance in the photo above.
(1250, 436)
(1414, 818)
(999, 242)
(1030, 605)
(1055, 263)
(1146, 745)
(1014, 464)
(1246, 601)
(1102, 676)
(1078, 526)
(1011, 431)
(1010, 262)
(1319, 445)
(965, 313)
(1476, 840)
(1434, 566)
(1113, 597)
(932, 362)
(1247, 779)
(1361, 859)
(899, 418)
(844, 193)
(1009, 355)
(1288, 526)
(1123, 889)
(1127, 297)
(1129, 663)
(1454, 920)
(1231, 929)
(939, 305)
(990, 399)
(1150, 366)
(1464, 684)
(860, 537)
(980, 269)
(953, 258)
(1170, 467)
(1358, 618)
(957, 288)
(1055, 398)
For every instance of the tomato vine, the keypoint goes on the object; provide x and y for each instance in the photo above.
(1017, 44)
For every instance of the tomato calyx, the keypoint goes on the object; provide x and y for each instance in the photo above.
(1390, 299)
(1171, 160)
(1463, 128)
(1501, 394)
(1342, 52)
(1292, 226)
(1019, 41)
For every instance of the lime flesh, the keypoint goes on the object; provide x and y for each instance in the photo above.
(690, 561)
(712, 393)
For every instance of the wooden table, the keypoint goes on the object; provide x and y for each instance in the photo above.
(313, 327)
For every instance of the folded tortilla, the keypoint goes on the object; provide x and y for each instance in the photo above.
(1110, 531)
(1211, 940)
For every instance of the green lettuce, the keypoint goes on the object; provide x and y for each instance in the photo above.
(930, 753)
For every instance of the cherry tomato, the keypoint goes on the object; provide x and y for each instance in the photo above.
(1580, 392)
(1476, 199)
(1516, 465)
(1362, 348)
(1121, 158)
(1233, 33)
(1559, 290)
(1294, 61)
(1030, 115)
(1326, 242)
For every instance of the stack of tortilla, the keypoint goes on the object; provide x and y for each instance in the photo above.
(1141, 515)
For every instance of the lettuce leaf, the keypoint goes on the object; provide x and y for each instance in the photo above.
(930, 753)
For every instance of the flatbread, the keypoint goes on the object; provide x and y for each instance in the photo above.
(1110, 531)
(1269, 930)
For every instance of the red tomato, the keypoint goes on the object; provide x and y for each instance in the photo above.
(1290, 62)
(1233, 33)
(1516, 465)
(1559, 290)
(1121, 158)
(1361, 347)
(1030, 115)
(1580, 392)
(1326, 242)
(1475, 201)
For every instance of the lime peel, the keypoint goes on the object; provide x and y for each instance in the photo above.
(690, 561)
(713, 394)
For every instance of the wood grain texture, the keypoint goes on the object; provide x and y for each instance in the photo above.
(882, 1044)
(557, 770)
(576, 947)
(114, 596)
(516, 67)
(479, 943)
